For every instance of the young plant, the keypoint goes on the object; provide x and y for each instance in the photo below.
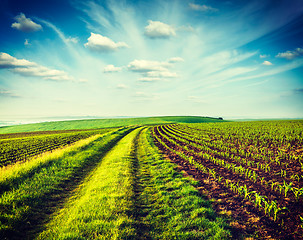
(287, 187)
(276, 209)
(258, 200)
(298, 192)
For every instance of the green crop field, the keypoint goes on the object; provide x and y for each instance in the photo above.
(103, 123)
(152, 178)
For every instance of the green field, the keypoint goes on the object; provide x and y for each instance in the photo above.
(192, 179)
(103, 123)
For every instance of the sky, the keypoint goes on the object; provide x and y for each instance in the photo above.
(76, 58)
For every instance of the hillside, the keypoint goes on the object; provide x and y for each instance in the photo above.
(104, 123)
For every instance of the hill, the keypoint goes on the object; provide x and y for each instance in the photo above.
(104, 123)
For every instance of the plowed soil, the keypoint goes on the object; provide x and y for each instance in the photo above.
(244, 218)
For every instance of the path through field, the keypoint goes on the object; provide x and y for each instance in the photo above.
(118, 186)
(33, 190)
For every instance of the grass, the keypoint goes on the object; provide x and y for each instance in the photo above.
(171, 206)
(25, 203)
(136, 194)
(100, 208)
(14, 174)
(115, 186)
(103, 123)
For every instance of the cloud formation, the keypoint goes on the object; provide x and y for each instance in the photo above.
(291, 54)
(202, 8)
(157, 29)
(264, 56)
(175, 60)
(7, 61)
(31, 69)
(43, 72)
(25, 24)
(153, 70)
(99, 43)
(147, 66)
(267, 63)
(6, 93)
(26, 42)
(72, 39)
(148, 79)
(111, 68)
(161, 74)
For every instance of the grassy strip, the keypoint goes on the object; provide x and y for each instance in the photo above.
(12, 175)
(22, 207)
(170, 205)
(17, 149)
(50, 133)
(102, 207)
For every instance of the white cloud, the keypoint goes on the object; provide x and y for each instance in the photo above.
(6, 93)
(202, 8)
(175, 59)
(7, 61)
(263, 56)
(97, 42)
(267, 63)
(161, 74)
(157, 29)
(152, 70)
(72, 39)
(25, 24)
(66, 40)
(31, 69)
(111, 68)
(149, 79)
(186, 28)
(291, 54)
(43, 72)
(26, 42)
(147, 66)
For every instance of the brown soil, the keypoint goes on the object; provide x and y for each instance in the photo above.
(244, 218)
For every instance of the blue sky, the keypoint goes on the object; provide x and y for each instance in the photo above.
(233, 59)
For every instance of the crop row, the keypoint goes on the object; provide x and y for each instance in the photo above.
(252, 164)
(40, 133)
(273, 194)
(251, 140)
(286, 188)
(16, 149)
(267, 134)
(287, 165)
(236, 169)
(258, 199)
